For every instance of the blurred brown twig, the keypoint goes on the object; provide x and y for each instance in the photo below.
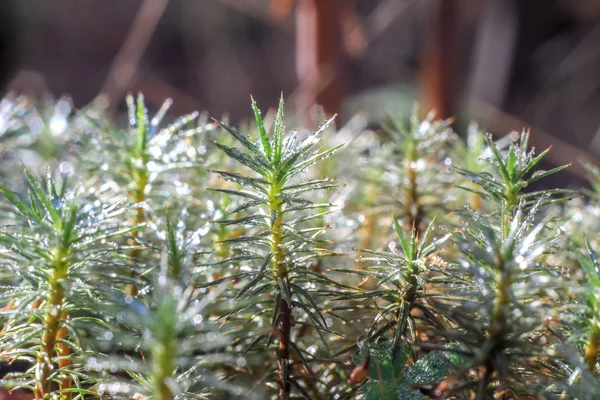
(126, 62)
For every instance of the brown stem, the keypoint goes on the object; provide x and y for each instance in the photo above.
(498, 328)
(52, 325)
(476, 201)
(125, 64)
(487, 370)
(284, 349)
(408, 299)
(281, 274)
(592, 349)
(140, 196)
(140, 218)
(438, 65)
(320, 58)
(63, 351)
(412, 208)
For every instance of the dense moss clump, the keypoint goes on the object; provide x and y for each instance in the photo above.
(198, 260)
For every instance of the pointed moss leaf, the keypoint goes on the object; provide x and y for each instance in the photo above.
(242, 193)
(590, 266)
(255, 220)
(69, 224)
(368, 295)
(33, 203)
(533, 163)
(29, 212)
(261, 274)
(246, 205)
(264, 137)
(236, 154)
(50, 209)
(240, 138)
(512, 161)
(141, 125)
(403, 242)
(278, 132)
(499, 159)
(312, 315)
(311, 301)
(314, 159)
(537, 175)
(217, 282)
(255, 342)
(423, 240)
(241, 179)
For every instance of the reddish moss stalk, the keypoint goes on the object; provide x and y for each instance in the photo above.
(476, 201)
(63, 351)
(140, 196)
(52, 325)
(592, 349)
(498, 328)
(407, 299)
(140, 218)
(285, 327)
(412, 209)
(281, 273)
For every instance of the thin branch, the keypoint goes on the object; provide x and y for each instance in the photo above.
(136, 42)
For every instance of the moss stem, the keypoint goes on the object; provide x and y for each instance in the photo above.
(280, 272)
(407, 299)
(53, 323)
(412, 208)
(592, 348)
(64, 362)
(498, 327)
(162, 356)
(141, 180)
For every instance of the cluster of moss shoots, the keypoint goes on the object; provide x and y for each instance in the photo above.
(197, 261)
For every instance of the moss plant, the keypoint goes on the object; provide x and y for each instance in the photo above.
(176, 347)
(237, 293)
(579, 331)
(281, 241)
(402, 276)
(410, 172)
(504, 253)
(141, 160)
(591, 325)
(55, 255)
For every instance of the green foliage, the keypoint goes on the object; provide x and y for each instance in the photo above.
(145, 160)
(58, 252)
(503, 253)
(410, 172)
(285, 238)
(393, 377)
(513, 173)
(402, 276)
(178, 341)
(39, 125)
(224, 272)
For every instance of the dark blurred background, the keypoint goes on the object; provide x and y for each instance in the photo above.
(507, 64)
